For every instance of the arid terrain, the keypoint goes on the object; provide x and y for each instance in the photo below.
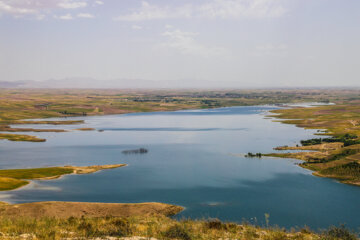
(65, 210)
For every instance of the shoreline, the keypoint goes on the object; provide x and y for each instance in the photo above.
(9, 135)
(15, 179)
(64, 210)
(129, 221)
(337, 158)
(42, 121)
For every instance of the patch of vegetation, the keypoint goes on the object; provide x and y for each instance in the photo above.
(11, 183)
(328, 159)
(20, 137)
(136, 151)
(348, 171)
(14, 178)
(51, 122)
(35, 173)
(251, 155)
(338, 233)
(347, 139)
(177, 231)
(158, 227)
(343, 153)
(11, 179)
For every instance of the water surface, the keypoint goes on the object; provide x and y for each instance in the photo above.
(193, 161)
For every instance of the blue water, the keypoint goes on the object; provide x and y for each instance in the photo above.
(195, 160)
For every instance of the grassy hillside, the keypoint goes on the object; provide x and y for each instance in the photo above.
(154, 227)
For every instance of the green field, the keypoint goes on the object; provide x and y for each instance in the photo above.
(14, 178)
(11, 179)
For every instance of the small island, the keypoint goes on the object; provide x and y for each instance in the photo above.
(252, 155)
(85, 129)
(136, 151)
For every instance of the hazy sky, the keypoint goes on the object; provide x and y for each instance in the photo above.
(249, 43)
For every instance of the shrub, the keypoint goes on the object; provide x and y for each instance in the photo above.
(87, 228)
(71, 220)
(251, 233)
(178, 232)
(305, 230)
(338, 233)
(122, 228)
(347, 139)
(215, 224)
(348, 170)
(278, 235)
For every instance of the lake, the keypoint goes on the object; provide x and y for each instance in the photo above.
(195, 159)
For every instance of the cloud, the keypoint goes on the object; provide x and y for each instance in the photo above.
(185, 43)
(224, 9)
(11, 9)
(243, 8)
(85, 15)
(271, 50)
(66, 17)
(40, 17)
(150, 12)
(136, 27)
(38, 8)
(99, 2)
(67, 4)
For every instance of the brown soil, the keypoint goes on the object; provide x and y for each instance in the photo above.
(318, 147)
(6, 128)
(92, 169)
(85, 129)
(79, 209)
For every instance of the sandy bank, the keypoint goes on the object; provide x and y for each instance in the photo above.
(79, 209)
(92, 169)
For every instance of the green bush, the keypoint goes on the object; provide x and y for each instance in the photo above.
(338, 233)
(122, 228)
(215, 224)
(178, 232)
(87, 228)
(348, 170)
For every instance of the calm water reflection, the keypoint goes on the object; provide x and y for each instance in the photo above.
(191, 162)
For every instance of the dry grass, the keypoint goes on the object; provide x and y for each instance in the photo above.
(64, 210)
(11, 179)
(336, 159)
(158, 227)
(20, 137)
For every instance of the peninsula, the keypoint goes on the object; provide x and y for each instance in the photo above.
(11, 179)
(336, 152)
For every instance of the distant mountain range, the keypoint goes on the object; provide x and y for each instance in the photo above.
(5, 84)
(88, 83)
(116, 83)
